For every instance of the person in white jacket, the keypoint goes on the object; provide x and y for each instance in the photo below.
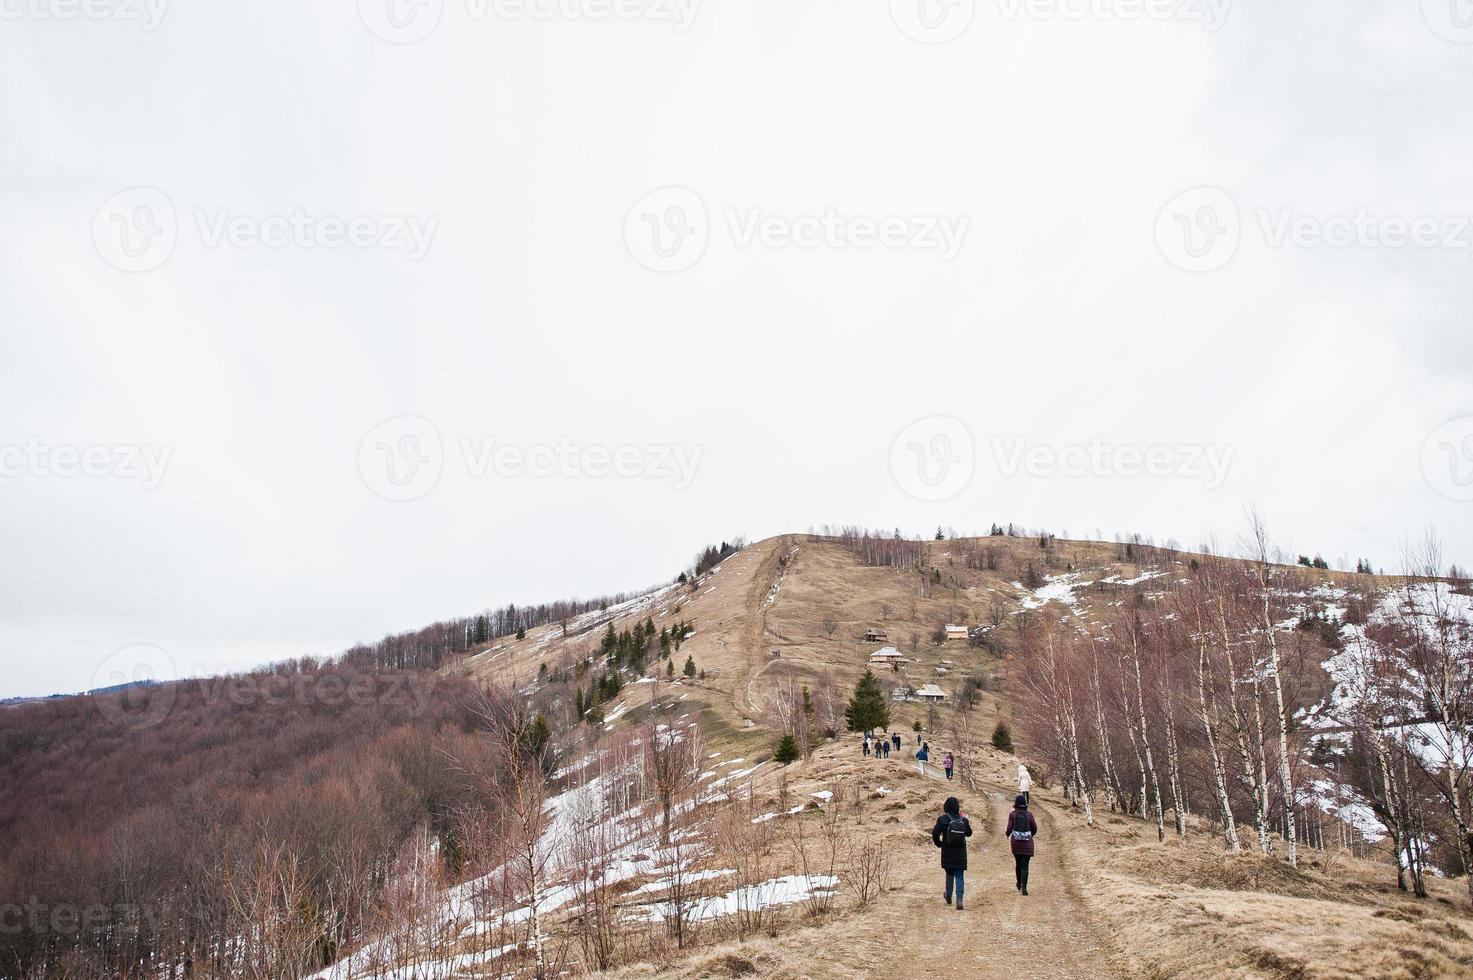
(1025, 782)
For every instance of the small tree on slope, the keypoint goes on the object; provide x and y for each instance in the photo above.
(867, 709)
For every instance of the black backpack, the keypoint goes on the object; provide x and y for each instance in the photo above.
(956, 832)
(1019, 830)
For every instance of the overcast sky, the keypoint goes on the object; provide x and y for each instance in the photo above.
(326, 320)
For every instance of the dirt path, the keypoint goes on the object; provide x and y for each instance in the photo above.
(1000, 933)
(753, 641)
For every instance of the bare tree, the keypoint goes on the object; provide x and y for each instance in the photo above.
(1259, 550)
(671, 758)
(1195, 608)
(1433, 640)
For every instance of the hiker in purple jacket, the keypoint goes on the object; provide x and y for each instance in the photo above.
(1021, 831)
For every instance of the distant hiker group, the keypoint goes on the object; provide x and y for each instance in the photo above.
(882, 746)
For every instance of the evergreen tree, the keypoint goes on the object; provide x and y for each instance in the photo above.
(669, 668)
(521, 634)
(787, 749)
(535, 737)
(1002, 738)
(596, 709)
(690, 666)
(867, 709)
(939, 535)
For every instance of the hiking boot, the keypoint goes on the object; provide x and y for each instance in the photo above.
(958, 906)
(948, 899)
(1024, 889)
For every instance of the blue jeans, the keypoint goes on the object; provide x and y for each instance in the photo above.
(959, 877)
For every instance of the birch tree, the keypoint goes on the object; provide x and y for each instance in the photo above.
(1258, 542)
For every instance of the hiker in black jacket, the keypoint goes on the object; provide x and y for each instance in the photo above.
(950, 834)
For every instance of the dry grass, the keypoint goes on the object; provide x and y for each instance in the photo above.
(1192, 910)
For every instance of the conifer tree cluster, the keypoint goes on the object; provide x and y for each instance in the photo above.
(713, 556)
(624, 653)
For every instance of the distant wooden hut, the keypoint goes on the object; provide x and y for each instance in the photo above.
(887, 657)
